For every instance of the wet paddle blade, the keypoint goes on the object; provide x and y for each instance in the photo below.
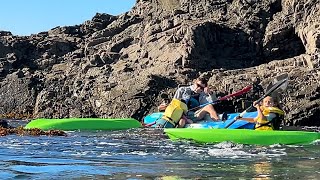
(280, 78)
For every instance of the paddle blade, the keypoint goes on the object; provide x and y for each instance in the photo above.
(282, 79)
(276, 93)
(282, 84)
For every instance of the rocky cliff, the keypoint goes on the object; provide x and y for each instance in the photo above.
(119, 66)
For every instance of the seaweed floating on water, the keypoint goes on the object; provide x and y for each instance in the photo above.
(30, 132)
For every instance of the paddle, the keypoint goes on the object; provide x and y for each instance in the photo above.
(281, 84)
(238, 93)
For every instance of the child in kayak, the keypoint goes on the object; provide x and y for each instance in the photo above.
(174, 115)
(269, 116)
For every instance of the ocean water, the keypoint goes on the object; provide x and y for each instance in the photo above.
(149, 154)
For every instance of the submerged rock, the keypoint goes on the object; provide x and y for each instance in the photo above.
(30, 132)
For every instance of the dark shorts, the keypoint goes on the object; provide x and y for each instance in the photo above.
(162, 123)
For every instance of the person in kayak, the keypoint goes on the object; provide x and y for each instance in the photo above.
(174, 115)
(195, 95)
(269, 116)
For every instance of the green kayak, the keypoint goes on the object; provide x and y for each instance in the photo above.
(242, 136)
(84, 124)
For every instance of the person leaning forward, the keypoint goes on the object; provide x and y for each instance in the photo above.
(195, 95)
(174, 115)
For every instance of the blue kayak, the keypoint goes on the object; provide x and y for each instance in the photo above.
(208, 124)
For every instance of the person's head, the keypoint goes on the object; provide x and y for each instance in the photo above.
(165, 101)
(199, 84)
(268, 102)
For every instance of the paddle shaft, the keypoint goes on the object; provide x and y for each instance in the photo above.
(238, 93)
(149, 125)
(279, 84)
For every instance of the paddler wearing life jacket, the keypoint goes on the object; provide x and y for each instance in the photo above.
(269, 116)
(192, 96)
(174, 115)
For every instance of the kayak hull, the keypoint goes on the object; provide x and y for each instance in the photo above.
(242, 136)
(69, 124)
(205, 124)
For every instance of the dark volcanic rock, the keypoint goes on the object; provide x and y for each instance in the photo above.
(120, 66)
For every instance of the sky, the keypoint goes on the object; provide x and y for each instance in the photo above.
(26, 17)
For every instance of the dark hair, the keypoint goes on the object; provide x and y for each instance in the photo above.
(203, 80)
(166, 100)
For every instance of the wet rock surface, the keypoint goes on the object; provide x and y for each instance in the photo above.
(120, 66)
(30, 132)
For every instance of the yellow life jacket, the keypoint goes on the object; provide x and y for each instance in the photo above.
(174, 111)
(262, 124)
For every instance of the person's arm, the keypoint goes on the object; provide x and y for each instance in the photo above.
(211, 95)
(260, 114)
(252, 120)
(208, 96)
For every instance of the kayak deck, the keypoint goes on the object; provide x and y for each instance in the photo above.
(69, 124)
(243, 136)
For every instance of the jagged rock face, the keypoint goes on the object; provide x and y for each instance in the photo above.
(119, 66)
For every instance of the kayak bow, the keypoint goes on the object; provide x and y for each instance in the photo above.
(242, 136)
(84, 124)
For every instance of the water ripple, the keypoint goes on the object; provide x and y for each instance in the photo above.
(147, 154)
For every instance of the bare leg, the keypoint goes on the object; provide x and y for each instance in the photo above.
(181, 124)
(208, 109)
